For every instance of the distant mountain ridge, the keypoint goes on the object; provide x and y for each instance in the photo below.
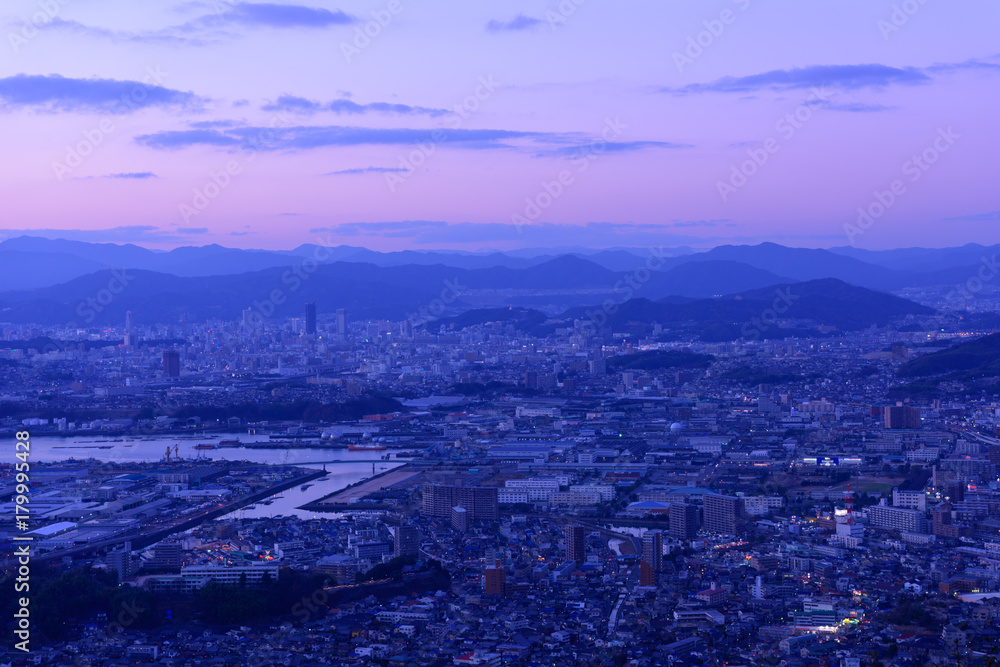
(753, 314)
(56, 261)
(367, 290)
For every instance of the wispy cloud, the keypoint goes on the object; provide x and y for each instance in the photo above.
(840, 77)
(972, 64)
(849, 107)
(302, 105)
(273, 15)
(309, 137)
(133, 175)
(213, 27)
(593, 234)
(365, 170)
(593, 148)
(193, 230)
(121, 234)
(59, 93)
(166, 36)
(977, 217)
(519, 23)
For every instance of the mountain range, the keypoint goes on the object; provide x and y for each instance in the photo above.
(41, 262)
(61, 281)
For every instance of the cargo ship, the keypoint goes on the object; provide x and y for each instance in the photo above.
(230, 443)
(365, 448)
(205, 445)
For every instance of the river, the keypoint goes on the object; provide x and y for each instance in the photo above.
(344, 467)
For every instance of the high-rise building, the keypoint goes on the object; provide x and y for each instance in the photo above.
(647, 577)
(723, 514)
(166, 556)
(902, 417)
(531, 379)
(652, 549)
(480, 502)
(459, 519)
(944, 524)
(311, 318)
(341, 322)
(171, 363)
(576, 549)
(495, 578)
(406, 541)
(129, 329)
(121, 561)
(683, 521)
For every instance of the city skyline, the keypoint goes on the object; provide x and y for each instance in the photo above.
(261, 125)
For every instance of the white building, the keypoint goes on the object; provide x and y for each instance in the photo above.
(762, 505)
(536, 488)
(605, 491)
(897, 518)
(913, 500)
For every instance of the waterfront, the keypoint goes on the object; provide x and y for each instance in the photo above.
(343, 467)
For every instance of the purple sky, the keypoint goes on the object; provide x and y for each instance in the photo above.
(581, 123)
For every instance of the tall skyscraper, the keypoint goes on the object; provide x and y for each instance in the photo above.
(172, 363)
(341, 322)
(406, 541)
(902, 417)
(576, 543)
(166, 556)
(683, 521)
(311, 318)
(121, 561)
(723, 514)
(647, 576)
(652, 549)
(495, 578)
(129, 329)
(459, 518)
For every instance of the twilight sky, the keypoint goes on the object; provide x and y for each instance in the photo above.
(474, 125)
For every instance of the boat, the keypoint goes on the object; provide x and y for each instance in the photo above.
(365, 448)
(230, 443)
(205, 445)
(304, 487)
